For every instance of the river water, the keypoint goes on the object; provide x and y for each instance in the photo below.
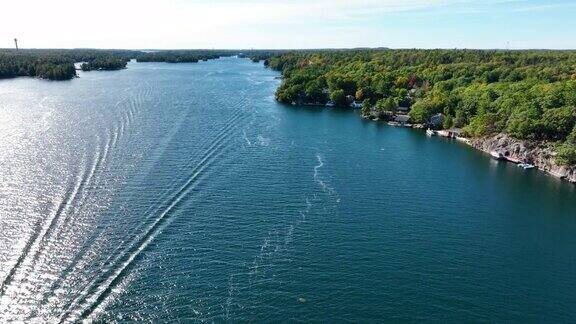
(177, 192)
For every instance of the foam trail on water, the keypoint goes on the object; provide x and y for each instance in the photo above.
(276, 244)
(246, 138)
(37, 241)
(90, 300)
(94, 296)
(321, 182)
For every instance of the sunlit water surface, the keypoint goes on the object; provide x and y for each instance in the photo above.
(185, 192)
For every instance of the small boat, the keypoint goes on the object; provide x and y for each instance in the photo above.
(430, 132)
(526, 166)
(330, 104)
(497, 155)
(356, 105)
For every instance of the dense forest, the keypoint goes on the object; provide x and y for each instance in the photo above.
(47, 66)
(105, 63)
(183, 56)
(262, 55)
(58, 64)
(527, 94)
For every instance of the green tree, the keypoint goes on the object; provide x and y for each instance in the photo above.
(314, 91)
(448, 122)
(366, 108)
(566, 154)
(424, 109)
(359, 95)
(338, 96)
(557, 123)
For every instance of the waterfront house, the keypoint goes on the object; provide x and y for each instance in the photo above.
(402, 119)
(450, 133)
(455, 132)
(384, 114)
(403, 110)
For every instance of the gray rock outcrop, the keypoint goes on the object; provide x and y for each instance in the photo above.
(540, 154)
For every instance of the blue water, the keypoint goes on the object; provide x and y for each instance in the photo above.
(177, 192)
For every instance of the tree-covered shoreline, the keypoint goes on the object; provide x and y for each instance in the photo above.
(58, 64)
(105, 64)
(183, 56)
(529, 95)
(51, 67)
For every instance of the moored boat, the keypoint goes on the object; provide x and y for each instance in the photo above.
(497, 155)
(430, 132)
(526, 166)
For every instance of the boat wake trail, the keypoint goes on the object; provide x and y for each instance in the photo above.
(317, 178)
(78, 263)
(94, 294)
(45, 249)
(38, 238)
(80, 251)
(276, 245)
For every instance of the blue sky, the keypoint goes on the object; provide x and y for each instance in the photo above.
(515, 24)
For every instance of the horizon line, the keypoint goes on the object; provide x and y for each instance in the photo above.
(294, 49)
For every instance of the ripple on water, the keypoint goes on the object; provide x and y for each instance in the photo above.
(187, 193)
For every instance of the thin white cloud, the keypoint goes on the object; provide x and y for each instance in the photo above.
(152, 23)
(225, 23)
(540, 7)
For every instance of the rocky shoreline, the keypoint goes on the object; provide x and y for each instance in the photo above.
(540, 154)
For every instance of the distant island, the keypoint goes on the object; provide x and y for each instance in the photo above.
(105, 64)
(183, 56)
(46, 66)
(58, 64)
